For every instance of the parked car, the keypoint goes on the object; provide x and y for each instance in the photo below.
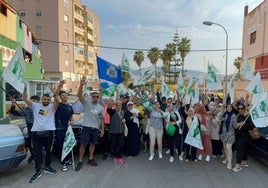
(12, 148)
(259, 148)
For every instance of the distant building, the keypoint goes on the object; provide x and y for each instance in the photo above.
(68, 34)
(255, 38)
(14, 31)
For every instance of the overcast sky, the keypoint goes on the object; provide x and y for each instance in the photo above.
(142, 24)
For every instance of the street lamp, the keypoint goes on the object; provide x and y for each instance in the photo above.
(209, 23)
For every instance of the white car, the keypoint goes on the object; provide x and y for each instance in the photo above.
(12, 148)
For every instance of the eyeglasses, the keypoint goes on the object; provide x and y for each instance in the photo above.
(241, 108)
(95, 96)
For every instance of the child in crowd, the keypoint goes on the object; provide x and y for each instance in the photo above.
(145, 126)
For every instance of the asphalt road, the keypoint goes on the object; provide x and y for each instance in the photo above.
(138, 172)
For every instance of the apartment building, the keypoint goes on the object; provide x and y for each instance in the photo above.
(68, 34)
(255, 38)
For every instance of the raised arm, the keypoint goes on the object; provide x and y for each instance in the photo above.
(56, 94)
(26, 98)
(80, 88)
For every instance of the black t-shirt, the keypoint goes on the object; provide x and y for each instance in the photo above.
(249, 125)
(62, 116)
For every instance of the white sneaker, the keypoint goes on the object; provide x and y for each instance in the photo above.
(160, 155)
(199, 157)
(207, 158)
(151, 158)
(168, 151)
(180, 157)
(171, 159)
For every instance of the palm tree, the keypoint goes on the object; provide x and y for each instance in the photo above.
(139, 58)
(184, 48)
(166, 56)
(237, 64)
(153, 55)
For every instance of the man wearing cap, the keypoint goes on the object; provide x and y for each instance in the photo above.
(93, 121)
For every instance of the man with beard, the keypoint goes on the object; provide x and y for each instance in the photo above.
(42, 130)
(93, 121)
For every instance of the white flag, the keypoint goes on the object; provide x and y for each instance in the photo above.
(213, 82)
(255, 87)
(69, 143)
(259, 111)
(247, 70)
(122, 89)
(165, 90)
(193, 137)
(145, 76)
(195, 95)
(230, 88)
(181, 87)
(125, 66)
(13, 73)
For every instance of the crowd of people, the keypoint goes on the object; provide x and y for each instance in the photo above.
(126, 126)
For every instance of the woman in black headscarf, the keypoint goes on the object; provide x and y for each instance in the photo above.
(227, 134)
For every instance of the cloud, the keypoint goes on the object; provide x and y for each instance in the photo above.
(146, 24)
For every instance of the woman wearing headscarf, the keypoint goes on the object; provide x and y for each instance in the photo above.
(227, 134)
(133, 138)
(244, 124)
(190, 151)
(205, 134)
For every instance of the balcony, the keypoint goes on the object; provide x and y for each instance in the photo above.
(79, 30)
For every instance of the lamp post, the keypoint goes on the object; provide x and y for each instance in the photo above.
(209, 23)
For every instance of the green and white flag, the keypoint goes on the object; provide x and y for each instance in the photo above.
(125, 66)
(195, 95)
(146, 75)
(131, 92)
(247, 70)
(230, 88)
(121, 89)
(190, 92)
(13, 73)
(181, 87)
(255, 86)
(109, 91)
(165, 90)
(193, 137)
(213, 82)
(69, 142)
(259, 111)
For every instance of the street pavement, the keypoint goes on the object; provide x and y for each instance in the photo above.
(139, 172)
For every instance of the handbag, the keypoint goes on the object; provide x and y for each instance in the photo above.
(171, 129)
(254, 133)
(125, 130)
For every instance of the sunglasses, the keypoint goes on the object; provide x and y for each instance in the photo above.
(95, 96)
(241, 108)
(130, 104)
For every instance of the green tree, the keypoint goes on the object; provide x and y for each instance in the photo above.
(184, 48)
(139, 58)
(166, 57)
(237, 64)
(153, 55)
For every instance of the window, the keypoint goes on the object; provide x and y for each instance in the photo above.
(3, 9)
(66, 33)
(65, 17)
(38, 29)
(252, 37)
(38, 13)
(66, 48)
(66, 62)
(22, 13)
(66, 3)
